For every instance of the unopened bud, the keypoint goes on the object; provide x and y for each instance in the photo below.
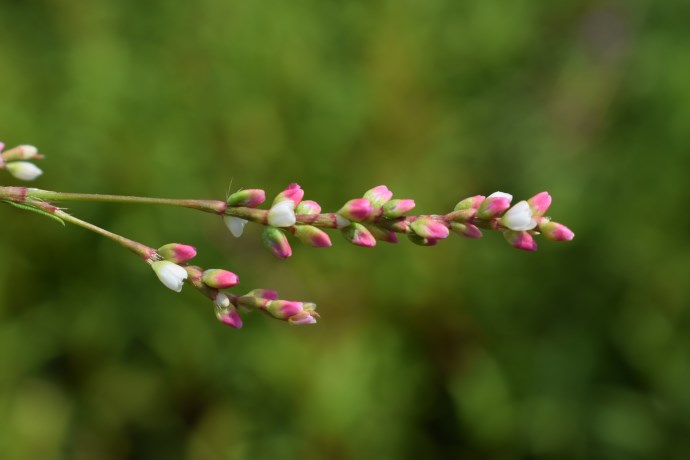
(472, 202)
(397, 208)
(219, 279)
(540, 203)
(308, 207)
(249, 198)
(312, 236)
(358, 234)
(466, 230)
(177, 253)
(292, 192)
(357, 209)
(429, 228)
(555, 231)
(378, 195)
(494, 205)
(229, 316)
(520, 240)
(275, 241)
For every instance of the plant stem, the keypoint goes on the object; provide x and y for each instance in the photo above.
(211, 206)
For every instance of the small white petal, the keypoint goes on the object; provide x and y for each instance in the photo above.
(235, 225)
(222, 300)
(501, 194)
(23, 170)
(519, 217)
(341, 222)
(171, 275)
(282, 214)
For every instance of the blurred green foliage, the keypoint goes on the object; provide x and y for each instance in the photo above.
(466, 350)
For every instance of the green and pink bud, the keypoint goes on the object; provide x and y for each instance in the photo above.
(267, 294)
(312, 236)
(358, 209)
(275, 241)
(540, 203)
(307, 316)
(397, 208)
(555, 231)
(21, 152)
(283, 309)
(494, 205)
(378, 196)
(358, 234)
(466, 230)
(219, 279)
(229, 316)
(177, 253)
(472, 202)
(429, 228)
(292, 192)
(381, 234)
(308, 207)
(521, 240)
(249, 198)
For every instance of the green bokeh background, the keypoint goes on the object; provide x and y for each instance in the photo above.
(465, 350)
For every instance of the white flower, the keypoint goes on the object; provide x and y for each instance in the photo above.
(282, 214)
(501, 195)
(23, 170)
(519, 217)
(170, 274)
(235, 224)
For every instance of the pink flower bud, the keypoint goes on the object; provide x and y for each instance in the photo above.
(521, 240)
(219, 279)
(292, 192)
(540, 203)
(462, 215)
(378, 195)
(397, 208)
(429, 228)
(358, 234)
(357, 209)
(177, 253)
(519, 217)
(308, 207)
(555, 231)
(472, 202)
(275, 241)
(283, 309)
(494, 205)
(249, 198)
(229, 316)
(381, 234)
(466, 230)
(312, 236)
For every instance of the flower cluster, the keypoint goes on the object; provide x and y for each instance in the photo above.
(169, 263)
(364, 221)
(378, 217)
(13, 160)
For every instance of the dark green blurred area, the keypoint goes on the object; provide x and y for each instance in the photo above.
(465, 350)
